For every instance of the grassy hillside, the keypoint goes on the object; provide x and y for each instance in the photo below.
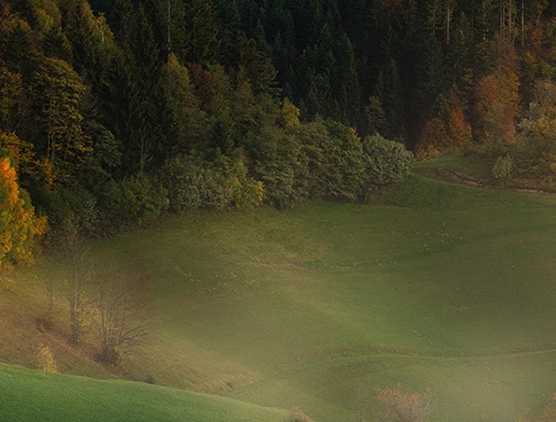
(441, 286)
(27, 395)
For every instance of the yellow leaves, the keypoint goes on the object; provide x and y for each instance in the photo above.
(19, 228)
(8, 183)
(459, 129)
(45, 360)
(433, 140)
(291, 113)
(497, 105)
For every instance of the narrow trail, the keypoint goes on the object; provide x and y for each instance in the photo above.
(459, 178)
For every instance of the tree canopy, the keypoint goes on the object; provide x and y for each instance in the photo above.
(132, 107)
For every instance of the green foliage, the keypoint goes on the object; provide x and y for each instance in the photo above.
(281, 167)
(246, 192)
(185, 118)
(140, 199)
(291, 113)
(107, 93)
(502, 170)
(310, 137)
(75, 206)
(194, 183)
(326, 160)
(386, 162)
(92, 41)
(343, 168)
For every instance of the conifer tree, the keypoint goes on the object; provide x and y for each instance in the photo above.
(58, 97)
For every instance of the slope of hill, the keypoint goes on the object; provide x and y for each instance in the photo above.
(28, 395)
(439, 285)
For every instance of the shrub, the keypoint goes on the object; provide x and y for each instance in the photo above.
(494, 148)
(502, 170)
(45, 359)
(74, 206)
(195, 183)
(139, 199)
(386, 161)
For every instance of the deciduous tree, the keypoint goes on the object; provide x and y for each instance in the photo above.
(119, 304)
(498, 105)
(20, 228)
(78, 265)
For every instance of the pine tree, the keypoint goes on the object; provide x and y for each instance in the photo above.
(58, 97)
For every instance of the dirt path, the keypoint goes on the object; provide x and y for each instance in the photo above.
(459, 178)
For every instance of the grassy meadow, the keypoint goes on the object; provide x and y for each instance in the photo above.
(438, 285)
(32, 396)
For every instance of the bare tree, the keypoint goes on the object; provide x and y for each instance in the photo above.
(119, 304)
(76, 258)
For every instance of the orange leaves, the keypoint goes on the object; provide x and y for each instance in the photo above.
(19, 228)
(459, 129)
(8, 184)
(433, 140)
(497, 105)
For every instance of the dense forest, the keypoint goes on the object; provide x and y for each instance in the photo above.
(112, 112)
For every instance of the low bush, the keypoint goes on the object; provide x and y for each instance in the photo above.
(502, 170)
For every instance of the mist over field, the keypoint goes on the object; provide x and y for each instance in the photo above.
(282, 210)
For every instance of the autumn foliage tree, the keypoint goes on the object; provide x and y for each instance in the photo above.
(497, 106)
(20, 228)
(433, 140)
(459, 129)
(497, 95)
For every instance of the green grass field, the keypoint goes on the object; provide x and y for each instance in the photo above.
(441, 286)
(27, 395)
